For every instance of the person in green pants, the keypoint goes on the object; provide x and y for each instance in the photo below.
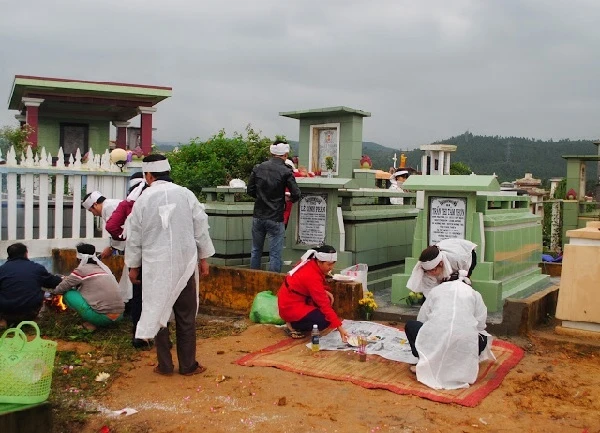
(92, 290)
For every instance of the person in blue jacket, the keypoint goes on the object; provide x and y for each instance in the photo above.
(21, 282)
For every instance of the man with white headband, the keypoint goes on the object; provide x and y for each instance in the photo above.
(449, 336)
(103, 207)
(303, 297)
(441, 262)
(167, 246)
(267, 184)
(92, 290)
(396, 180)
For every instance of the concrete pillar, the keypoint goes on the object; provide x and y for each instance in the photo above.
(447, 162)
(146, 128)
(32, 106)
(22, 119)
(441, 163)
(121, 134)
(597, 192)
(424, 163)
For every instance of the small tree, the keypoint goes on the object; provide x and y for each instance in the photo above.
(460, 168)
(16, 137)
(219, 159)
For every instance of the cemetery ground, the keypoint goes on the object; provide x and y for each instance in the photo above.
(554, 388)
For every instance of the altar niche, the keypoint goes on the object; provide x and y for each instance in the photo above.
(324, 142)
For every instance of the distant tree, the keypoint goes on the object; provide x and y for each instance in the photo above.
(561, 190)
(14, 136)
(199, 164)
(460, 168)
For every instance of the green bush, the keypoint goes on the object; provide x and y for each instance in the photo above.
(200, 164)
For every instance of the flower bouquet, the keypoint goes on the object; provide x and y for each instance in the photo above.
(367, 305)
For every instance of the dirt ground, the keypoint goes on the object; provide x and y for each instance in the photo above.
(555, 388)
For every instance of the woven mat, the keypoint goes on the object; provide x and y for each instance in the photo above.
(377, 372)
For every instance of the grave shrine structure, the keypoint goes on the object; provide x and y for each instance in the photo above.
(472, 207)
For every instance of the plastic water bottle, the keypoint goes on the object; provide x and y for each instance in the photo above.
(315, 337)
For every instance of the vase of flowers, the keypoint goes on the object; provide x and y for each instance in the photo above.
(329, 165)
(367, 305)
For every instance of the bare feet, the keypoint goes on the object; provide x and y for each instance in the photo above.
(89, 326)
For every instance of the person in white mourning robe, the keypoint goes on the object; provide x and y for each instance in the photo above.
(396, 181)
(441, 262)
(168, 238)
(449, 336)
(103, 207)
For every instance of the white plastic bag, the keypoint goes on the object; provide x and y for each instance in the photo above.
(359, 273)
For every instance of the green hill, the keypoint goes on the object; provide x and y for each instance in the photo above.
(509, 157)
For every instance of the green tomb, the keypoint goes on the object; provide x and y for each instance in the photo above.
(508, 235)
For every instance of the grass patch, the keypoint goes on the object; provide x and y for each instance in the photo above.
(83, 354)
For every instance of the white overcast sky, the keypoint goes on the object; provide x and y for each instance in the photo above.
(426, 70)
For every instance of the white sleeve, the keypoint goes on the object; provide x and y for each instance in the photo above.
(133, 244)
(423, 315)
(201, 234)
(480, 312)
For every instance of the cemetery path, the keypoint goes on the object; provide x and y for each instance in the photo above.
(555, 388)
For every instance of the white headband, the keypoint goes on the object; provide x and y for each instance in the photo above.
(432, 263)
(156, 166)
(135, 182)
(92, 198)
(400, 173)
(136, 192)
(279, 149)
(85, 257)
(324, 257)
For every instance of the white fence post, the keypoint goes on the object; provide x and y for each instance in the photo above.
(33, 185)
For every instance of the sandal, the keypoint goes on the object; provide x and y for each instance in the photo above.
(199, 370)
(162, 373)
(294, 334)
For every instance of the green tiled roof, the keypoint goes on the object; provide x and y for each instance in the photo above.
(452, 182)
(323, 112)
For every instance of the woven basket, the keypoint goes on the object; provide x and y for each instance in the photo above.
(25, 366)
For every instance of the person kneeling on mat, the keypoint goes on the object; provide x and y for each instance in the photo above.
(92, 290)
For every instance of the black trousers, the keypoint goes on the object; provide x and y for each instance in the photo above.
(315, 317)
(413, 327)
(185, 333)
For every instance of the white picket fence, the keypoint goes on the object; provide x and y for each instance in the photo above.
(41, 202)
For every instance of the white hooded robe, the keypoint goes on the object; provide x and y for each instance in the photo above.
(168, 235)
(453, 316)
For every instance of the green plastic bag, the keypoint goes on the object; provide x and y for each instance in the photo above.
(265, 310)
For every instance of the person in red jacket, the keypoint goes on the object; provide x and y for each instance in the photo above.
(303, 298)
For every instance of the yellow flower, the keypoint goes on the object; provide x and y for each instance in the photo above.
(367, 303)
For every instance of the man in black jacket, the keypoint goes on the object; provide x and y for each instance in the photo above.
(21, 282)
(267, 184)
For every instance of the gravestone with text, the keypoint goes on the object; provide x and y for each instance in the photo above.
(507, 234)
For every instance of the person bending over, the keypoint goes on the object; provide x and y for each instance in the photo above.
(21, 282)
(92, 290)
(442, 262)
(303, 298)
